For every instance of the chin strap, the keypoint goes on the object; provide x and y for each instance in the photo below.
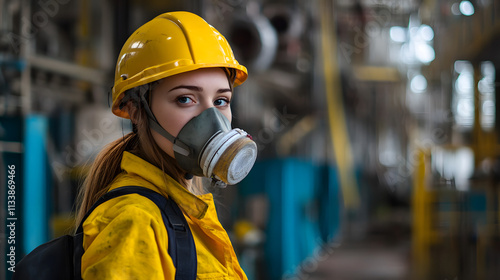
(179, 146)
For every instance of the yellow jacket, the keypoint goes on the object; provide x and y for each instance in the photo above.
(125, 238)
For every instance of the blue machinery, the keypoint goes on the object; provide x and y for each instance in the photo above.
(23, 143)
(304, 210)
(36, 191)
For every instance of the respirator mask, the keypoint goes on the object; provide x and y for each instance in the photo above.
(207, 146)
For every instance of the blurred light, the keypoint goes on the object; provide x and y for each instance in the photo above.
(463, 168)
(388, 145)
(465, 108)
(424, 52)
(303, 65)
(418, 84)
(398, 34)
(486, 87)
(455, 9)
(413, 32)
(463, 94)
(457, 164)
(462, 65)
(388, 158)
(464, 83)
(488, 69)
(405, 54)
(426, 33)
(488, 108)
(466, 8)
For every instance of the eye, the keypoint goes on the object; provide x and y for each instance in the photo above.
(221, 102)
(184, 100)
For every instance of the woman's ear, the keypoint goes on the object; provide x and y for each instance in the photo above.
(133, 111)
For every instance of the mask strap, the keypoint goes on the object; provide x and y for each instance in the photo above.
(178, 147)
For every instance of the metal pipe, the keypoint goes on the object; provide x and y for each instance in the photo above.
(336, 116)
(68, 69)
(26, 96)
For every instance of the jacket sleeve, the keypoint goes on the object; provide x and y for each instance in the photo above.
(126, 241)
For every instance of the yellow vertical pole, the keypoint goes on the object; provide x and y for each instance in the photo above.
(422, 220)
(336, 116)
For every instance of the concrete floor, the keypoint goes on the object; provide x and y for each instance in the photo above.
(363, 262)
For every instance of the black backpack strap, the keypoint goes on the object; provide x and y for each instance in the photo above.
(185, 251)
(183, 254)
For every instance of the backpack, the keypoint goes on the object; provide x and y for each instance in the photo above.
(61, 257)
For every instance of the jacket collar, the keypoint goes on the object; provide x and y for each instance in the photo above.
(187, 201)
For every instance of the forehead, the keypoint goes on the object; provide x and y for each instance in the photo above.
(207, 77)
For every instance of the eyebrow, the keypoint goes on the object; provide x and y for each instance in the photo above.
(198, 89)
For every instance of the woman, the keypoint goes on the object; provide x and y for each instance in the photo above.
(174, 80)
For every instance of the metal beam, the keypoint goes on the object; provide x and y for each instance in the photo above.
(94, 76)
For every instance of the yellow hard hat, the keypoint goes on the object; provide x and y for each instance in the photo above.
(171, 43)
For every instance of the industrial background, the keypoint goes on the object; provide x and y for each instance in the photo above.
(375, 120)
